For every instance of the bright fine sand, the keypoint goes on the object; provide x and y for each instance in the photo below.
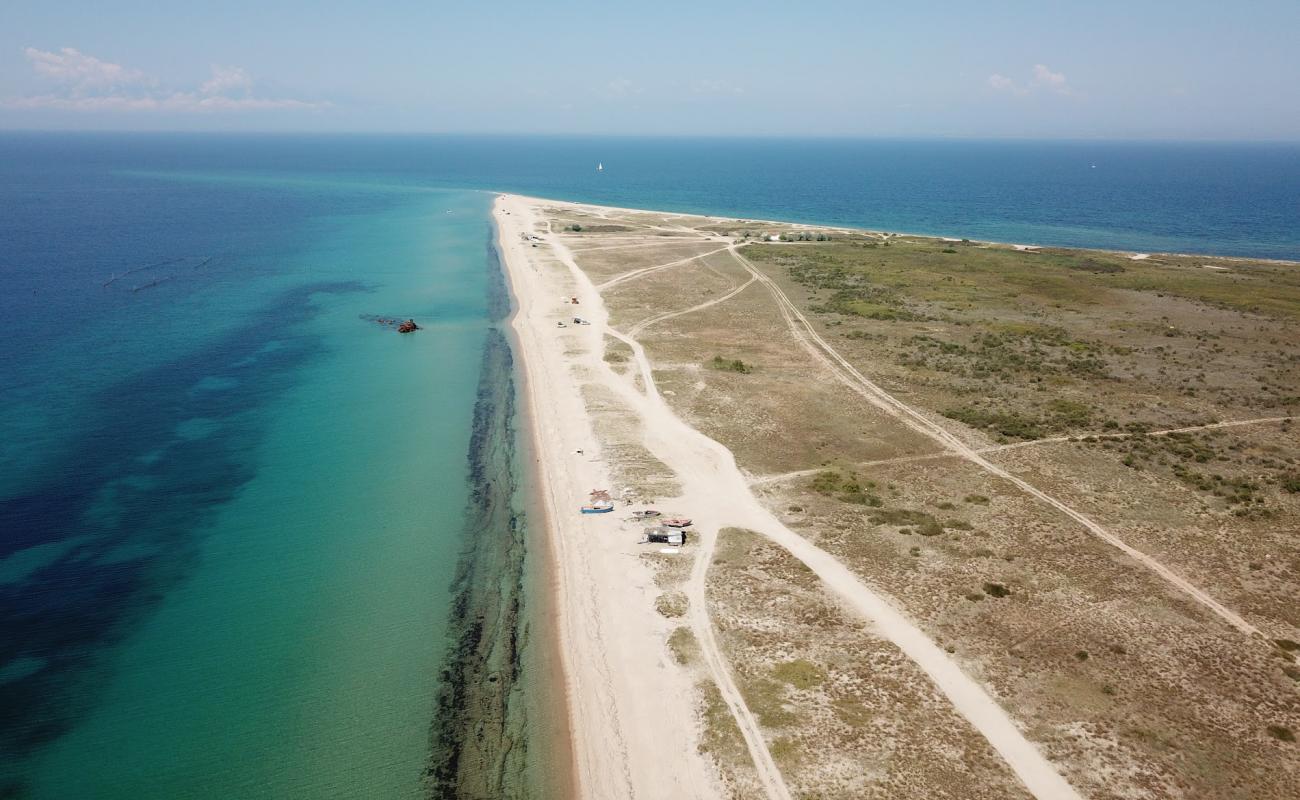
(633, 715)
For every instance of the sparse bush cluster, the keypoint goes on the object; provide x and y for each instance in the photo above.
(1181, 452)
(848, 490)
(852, 292)
(803, 236)
(684, 647)
(730, 365)
(800, 673)
(671, 604)
(1058, 416)
(1035, 350)
(921, 522)
(1087, 264)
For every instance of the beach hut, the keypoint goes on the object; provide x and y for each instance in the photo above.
(662, 535)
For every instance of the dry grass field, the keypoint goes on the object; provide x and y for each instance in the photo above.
(1076, 372)
(849, 716)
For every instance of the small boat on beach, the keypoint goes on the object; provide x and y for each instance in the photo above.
(678, 522)
(646, 514)
(598, 507)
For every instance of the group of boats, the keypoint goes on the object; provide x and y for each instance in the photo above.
(664, 530)
(600, 502)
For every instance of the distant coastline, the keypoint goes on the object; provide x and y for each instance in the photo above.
(781, 224)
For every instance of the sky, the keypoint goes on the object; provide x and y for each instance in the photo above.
(1141, 69)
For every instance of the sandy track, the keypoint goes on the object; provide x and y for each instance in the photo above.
(640, 326)
(806, 473)
(768, 772)
(718, 495)
(665, 241)
(874, 394)
(1190, 429)
(637, 273)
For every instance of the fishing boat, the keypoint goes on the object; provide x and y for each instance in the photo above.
(678, 522)
(646, 514)
(598, 507)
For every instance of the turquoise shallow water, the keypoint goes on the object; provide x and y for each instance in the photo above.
(250, 511)
(303, 647)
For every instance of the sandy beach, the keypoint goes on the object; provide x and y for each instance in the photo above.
(632, 709)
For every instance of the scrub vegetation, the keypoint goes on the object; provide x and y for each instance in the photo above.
(1094, 377)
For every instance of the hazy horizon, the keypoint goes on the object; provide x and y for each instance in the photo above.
(759, 137)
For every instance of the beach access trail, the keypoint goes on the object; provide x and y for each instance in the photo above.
(622, 706)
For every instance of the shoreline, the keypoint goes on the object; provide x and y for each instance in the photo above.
(545, 521)
(893, 233)
(497, 730)
(541, 588)
(630, 710)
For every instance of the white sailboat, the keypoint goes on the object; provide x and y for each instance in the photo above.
(600, 167)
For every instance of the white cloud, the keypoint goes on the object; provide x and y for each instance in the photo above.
(224, 79)
(1042, 78)
(1054, 81)
(177, 101)
(714, 87)
(621, 87)
(89, 84)
(1002, 83)
(72, 67)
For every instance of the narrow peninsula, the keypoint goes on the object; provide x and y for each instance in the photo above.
(961, 519)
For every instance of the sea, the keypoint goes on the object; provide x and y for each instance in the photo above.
(256, 543)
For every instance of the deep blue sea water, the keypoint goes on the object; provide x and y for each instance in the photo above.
(231, 505)
(1219, 198)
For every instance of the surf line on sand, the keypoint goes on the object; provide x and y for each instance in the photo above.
(488, 737)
